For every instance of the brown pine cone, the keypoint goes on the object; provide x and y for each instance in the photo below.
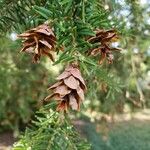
(69, 90)
(105, 38)
(39, 41)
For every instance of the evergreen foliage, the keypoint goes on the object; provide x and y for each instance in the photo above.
(50, 130)
(20, 87)
(14, 15)
(73, 21)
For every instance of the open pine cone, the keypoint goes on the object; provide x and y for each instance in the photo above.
(39, 41)
(69, 90)
(105, 38)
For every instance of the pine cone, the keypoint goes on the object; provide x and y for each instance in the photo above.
(105, 38)
(39, 41)
(69, 90)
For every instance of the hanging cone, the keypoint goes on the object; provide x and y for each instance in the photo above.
(39, 41)
(69, 90)
(105, 38)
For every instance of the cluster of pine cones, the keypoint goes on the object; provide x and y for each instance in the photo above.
(70, 88)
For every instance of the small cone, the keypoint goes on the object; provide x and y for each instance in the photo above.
(41, 40)
(105, 38)
(69, 90)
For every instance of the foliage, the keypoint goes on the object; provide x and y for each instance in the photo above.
(49, 131)
(88, 129)
(133, 134)
(130, 135)
(21, 88)
(72, 22)
(82, 19)
(14, 15)
(134, 66)
(125, 67)
(80, 25)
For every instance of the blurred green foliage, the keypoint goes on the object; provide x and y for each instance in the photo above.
(22, 85)
(129, 135)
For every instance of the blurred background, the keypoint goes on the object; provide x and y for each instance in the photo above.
(117, 122)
